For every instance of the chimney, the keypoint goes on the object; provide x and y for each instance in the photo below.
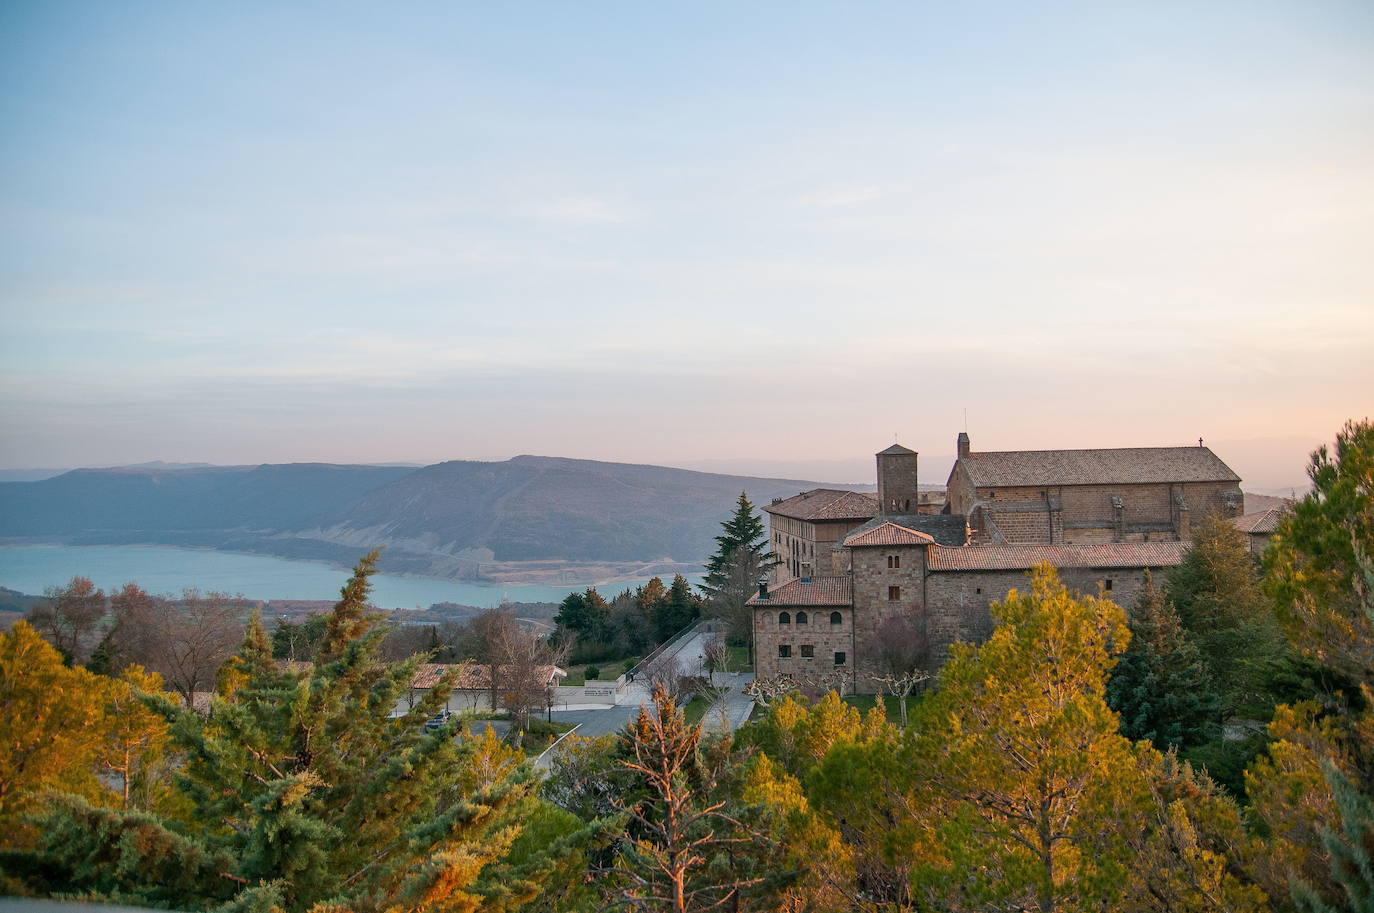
(763, 590)
(961, 445)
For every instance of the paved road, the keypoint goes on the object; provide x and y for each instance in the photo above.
(597, 722)
(690, 655)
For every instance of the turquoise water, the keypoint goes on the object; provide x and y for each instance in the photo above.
(29, 569)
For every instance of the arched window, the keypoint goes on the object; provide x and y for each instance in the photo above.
(784, 618)
(836, 618)
(801, 618)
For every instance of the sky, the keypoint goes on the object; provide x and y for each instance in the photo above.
(718, 235)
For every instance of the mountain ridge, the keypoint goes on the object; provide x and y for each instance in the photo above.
(529, 517)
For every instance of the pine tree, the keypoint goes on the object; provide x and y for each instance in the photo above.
(1031, 786)
(676, 610)
(304, 789)
(1217, 593)
(743, 531)
(1161, 686)
(1349, 849)
(1320, 562)
(681, 825)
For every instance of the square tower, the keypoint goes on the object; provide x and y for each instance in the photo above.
(898, 492)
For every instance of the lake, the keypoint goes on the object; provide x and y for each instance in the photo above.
(29, 569)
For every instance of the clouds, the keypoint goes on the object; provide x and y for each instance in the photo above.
(450, 233)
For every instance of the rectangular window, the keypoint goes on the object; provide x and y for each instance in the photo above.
(894, 592)
(808, 651)
(839, 659)
(1108, 587)
(894, 561)
(784, 650)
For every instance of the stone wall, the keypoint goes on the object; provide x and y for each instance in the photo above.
(873, 579)
(898, 491)
(958, 601)
(1097, 514)
(824, 636)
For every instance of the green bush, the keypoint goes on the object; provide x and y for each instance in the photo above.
(591, 672)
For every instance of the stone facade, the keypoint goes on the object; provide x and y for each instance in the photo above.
(898, 489)
(1103, 518)
(820, 635)
(888, 580)
(961, 600)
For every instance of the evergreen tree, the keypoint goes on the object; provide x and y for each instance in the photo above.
(676, 610)
(304, 789)
(743, 532)
(1216, 589)
(1161, 686)
(684, 840)
(1349, 849)
(1321, 561)
(1032, 786)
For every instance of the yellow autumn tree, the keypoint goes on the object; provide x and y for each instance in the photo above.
(132, 754)
(53, 725)
(1028, 786)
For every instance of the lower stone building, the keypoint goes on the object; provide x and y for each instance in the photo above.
(812, 626)
(846, 576)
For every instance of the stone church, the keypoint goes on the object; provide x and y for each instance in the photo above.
(848, 561)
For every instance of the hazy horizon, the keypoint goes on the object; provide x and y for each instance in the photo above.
(1273, 466)
(715, 235)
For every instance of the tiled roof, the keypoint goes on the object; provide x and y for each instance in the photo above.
(945, 529)
(471, 677)
(896, 448)
(887, 533)
(855, 505)
(820, 591)
(1260, 522)
(1122, 466)
(1021, 557)
(827, 504)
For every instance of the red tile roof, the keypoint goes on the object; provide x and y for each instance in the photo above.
(1021, 557)
(1260, 522)
(1118, 466)
(888, 533)
(827, 504)
(472, 676)
(820, 591)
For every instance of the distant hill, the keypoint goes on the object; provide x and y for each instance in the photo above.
(451, 518)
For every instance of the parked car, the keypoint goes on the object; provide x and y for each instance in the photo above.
(435, 723)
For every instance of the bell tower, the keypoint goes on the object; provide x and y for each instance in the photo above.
(898, 492)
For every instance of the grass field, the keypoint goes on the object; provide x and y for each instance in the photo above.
(866, 702)
(610, 670)
(739, 660)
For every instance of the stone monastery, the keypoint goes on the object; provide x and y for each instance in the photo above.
(849, 561)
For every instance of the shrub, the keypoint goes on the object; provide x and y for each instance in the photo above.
(592, 672)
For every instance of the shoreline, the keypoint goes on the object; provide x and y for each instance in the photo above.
(484, 583)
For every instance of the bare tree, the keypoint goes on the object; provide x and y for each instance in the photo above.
(766, 689)
(136, 629)
(521, 665)
(902, 652)
(184, 640)
(404, 641)
(716, 655)
(836, 680)
(665, 672)
(70, 617)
